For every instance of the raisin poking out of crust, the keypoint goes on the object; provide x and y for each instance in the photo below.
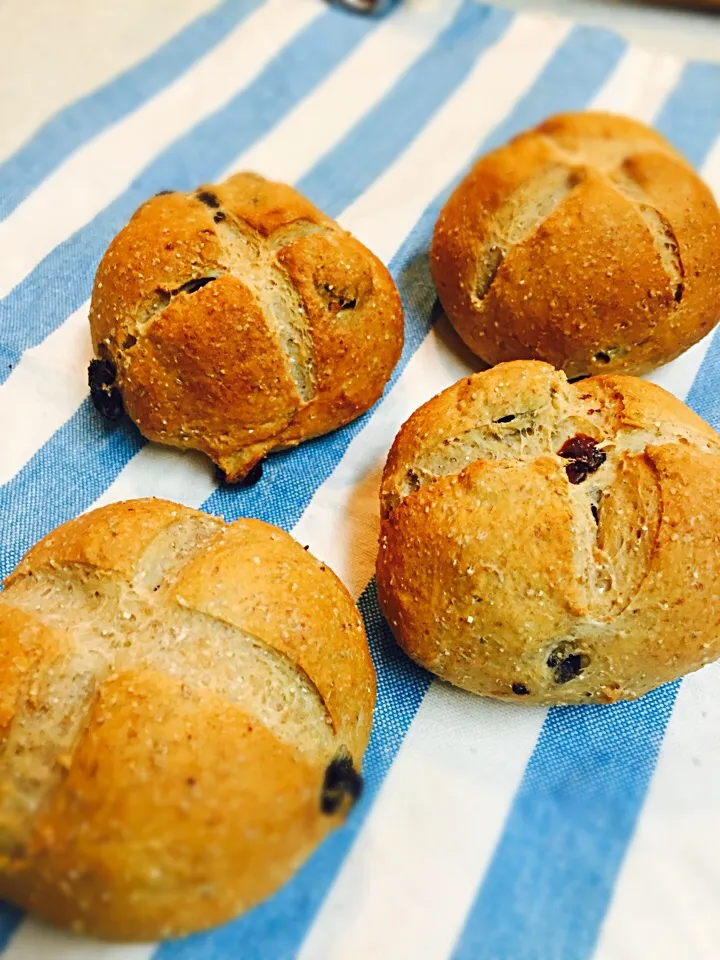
(520, 689)
(209, 199)
(105, 396)
(584, 456)
(337, 301)
(566, 664)
(251, 478)
(341, 780)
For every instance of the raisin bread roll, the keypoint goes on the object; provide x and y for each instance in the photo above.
(549, 542)
(238, 319)
(184, 706)
(588, 242)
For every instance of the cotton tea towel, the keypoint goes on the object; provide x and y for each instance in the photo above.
(486, 831)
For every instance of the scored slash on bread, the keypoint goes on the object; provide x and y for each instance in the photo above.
(183, 711)
(239, 319)
(550, 540)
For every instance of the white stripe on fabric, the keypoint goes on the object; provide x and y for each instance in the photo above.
(505, 70)
(444, 801)
(409, 896)
(641, 85)
(32, 409)
(103, 168)
(665, 902)
(671, 873)
(347, 501)
(456, 816)
(37, 941)
(361, 80)
(185, 476)
(420, 913)
(43, 391)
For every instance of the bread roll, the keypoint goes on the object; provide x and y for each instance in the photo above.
(588, 242)
(184, 706)
(548, 542)
(238, 319)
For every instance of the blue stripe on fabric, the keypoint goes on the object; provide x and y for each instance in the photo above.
(276, 929)
(61, 282)
(373, 144)
(548, 887)
(690, 118)
(57, 485)
(546, 891)
(86, 118)
(433, 79)
(10, 918)
(704, 395)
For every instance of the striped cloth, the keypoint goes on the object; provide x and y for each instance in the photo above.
(487, 831)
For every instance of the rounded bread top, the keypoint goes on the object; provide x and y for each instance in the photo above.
(528, 521)
(180, 700)
(240, 319)
(588, 242)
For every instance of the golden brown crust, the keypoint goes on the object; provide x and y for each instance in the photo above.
(26, 643)
(587, 242)
(250, 558)
(173, 692)
(146, 834)
(439, 528)
(328, 271)
(194, 341)
(572, 131)
(512, 567)
(289, 327)
(114, 539)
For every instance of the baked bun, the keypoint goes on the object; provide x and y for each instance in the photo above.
(548, 542)
(238, 319)
(184, 706)
(588, 242)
